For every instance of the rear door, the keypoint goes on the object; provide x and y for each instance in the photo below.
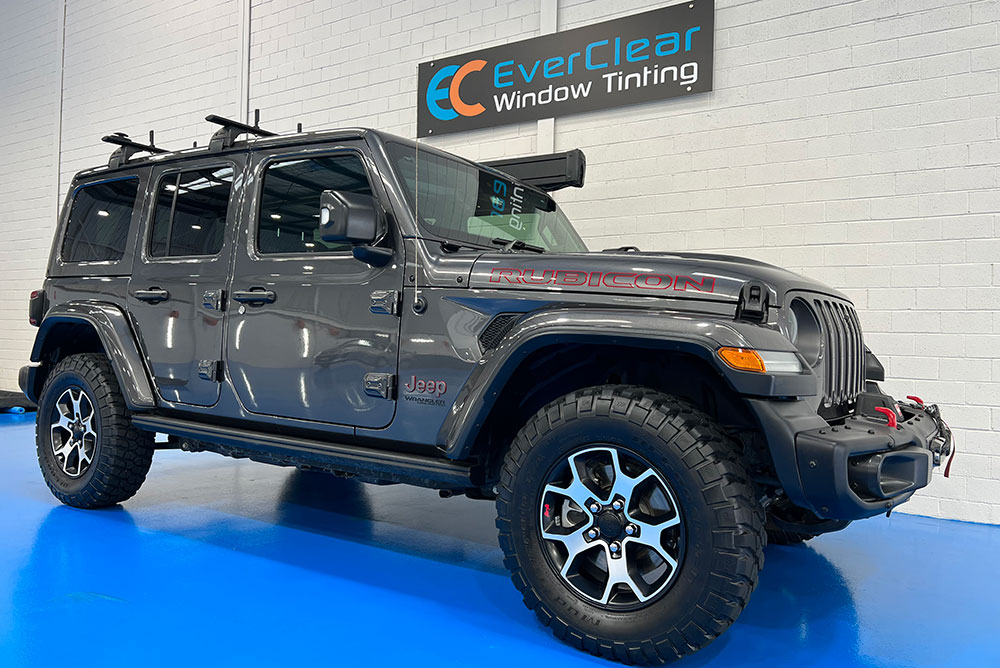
(176, 294)
(305, 347)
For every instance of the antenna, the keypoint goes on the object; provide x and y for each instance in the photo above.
(226, 136)
(127, 148)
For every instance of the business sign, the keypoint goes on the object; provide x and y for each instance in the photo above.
(655, 55)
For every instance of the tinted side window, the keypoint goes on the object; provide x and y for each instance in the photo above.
(190, 216)
(99, 221)
(289, 212)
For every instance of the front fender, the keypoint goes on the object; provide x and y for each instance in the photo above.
(113, 329)
(659, 330)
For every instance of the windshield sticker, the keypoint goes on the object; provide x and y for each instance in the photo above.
(501, 204)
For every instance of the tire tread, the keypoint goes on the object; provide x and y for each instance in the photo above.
(124, 454)
(726, 489)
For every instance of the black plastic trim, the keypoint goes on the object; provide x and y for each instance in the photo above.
(376, 464)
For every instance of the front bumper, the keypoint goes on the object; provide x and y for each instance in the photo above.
(859, 467)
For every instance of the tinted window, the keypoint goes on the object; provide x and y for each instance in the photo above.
(190, 217)
(460, 201)
(99, 221)
(289, 212)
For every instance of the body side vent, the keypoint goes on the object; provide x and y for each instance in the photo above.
(498, 328)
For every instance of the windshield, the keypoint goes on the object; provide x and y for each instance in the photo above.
(461, 202)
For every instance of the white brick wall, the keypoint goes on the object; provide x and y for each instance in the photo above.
(29, 102)
(856, 142)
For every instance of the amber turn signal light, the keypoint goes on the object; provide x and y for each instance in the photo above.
(743, 359)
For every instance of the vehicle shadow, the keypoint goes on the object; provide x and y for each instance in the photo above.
(369, 535)
(802, 609)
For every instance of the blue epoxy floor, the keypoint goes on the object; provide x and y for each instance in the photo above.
(223, 562)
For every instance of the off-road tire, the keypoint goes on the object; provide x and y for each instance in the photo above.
(724, 522)
(123, 453)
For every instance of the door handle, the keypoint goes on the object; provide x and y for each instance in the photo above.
(255, 296)
(153, 295)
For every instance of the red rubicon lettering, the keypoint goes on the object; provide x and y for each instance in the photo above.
(509, 275)
(571, 277)
(703, 284)
(617, 280)
(613, 279)
(653, 282)
(535, 277)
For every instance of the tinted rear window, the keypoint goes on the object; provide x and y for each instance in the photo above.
(99, 221)
(198, 201)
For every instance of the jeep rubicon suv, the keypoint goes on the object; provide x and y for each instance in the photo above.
(356, 303)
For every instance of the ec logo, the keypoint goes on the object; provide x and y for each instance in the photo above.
(435, 93)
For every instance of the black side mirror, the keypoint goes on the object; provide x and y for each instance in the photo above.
(351, 218)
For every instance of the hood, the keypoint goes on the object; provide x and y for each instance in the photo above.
(678, 275)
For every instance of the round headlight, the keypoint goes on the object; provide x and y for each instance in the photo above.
(804, 331)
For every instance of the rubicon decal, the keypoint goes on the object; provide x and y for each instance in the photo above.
(655, 55)
(616, 280)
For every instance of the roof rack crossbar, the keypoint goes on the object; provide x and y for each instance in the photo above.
(226, 136)
(127, 148)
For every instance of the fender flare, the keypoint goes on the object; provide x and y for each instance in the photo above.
(660, 330)
(116, 335)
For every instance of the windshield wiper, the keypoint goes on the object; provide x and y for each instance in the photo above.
(455, 246)
(511, 245)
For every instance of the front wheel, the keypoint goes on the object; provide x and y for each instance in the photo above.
(629, 524)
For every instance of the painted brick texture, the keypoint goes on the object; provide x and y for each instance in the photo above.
(855, 142)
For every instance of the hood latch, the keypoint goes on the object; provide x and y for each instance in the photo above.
(753, 302)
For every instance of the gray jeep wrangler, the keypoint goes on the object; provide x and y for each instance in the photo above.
(356, 303)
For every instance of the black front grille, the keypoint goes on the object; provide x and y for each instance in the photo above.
(843, 359)
(497, 330)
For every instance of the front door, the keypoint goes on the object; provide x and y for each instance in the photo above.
(176, 291)
(302, 336)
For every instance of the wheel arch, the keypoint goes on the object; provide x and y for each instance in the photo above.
(81, 327)
(552, 353)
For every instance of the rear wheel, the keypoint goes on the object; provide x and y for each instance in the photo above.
(629, 524)
(89, 453)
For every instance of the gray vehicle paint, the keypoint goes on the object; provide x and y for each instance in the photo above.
(272, 382)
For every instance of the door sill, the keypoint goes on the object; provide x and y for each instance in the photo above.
(366, 463)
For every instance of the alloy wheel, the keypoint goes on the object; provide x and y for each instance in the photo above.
(74, 432)
(612, 527)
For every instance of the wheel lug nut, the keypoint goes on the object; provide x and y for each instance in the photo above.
(631, 529)
(617, 505)
(594, 507)
(614, 547)
(593, 533)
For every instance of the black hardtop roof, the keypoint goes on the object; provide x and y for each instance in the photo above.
(294, 139)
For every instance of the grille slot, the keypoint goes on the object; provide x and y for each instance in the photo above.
(843, 353)
(498, 328)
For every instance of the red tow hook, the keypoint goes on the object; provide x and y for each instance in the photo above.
(889, 414)
(916, 399)
(947, 468)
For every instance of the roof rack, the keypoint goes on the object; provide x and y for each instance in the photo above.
(226, 136)
(127, 148)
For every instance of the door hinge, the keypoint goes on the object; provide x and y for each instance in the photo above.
(380, 385)
(385, 302)
(210, 370)
(753, 302)
(214, 300)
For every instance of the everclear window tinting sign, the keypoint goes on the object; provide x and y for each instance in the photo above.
(655, 55)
